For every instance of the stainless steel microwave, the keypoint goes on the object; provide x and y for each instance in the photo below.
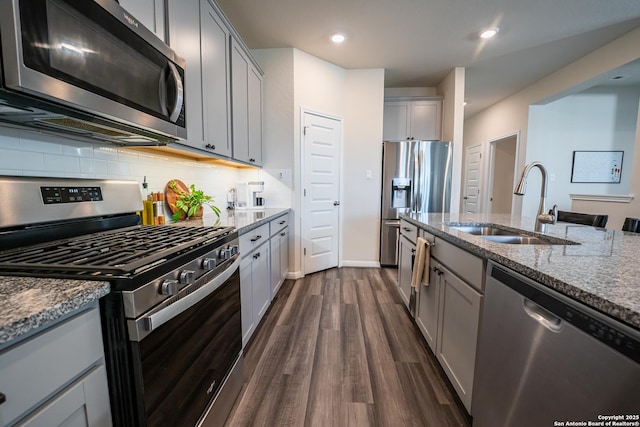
(89, 68)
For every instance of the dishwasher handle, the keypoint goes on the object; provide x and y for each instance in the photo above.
(542, 316)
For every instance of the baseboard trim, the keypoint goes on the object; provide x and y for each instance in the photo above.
(294, 275)
(362, 264)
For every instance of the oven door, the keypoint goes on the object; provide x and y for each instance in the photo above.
(192, 346)
(94, 57)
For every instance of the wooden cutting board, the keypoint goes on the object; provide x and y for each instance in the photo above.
(170, 196)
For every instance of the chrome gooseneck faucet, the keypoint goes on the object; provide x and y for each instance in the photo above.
(542, 218)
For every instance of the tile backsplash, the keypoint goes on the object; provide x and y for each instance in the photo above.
(29, 153)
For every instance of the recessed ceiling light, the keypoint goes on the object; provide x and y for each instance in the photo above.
(489, 33)
(338, 38)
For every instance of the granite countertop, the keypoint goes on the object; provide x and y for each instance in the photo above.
(27, 303)
(602, 272)
(244, 220)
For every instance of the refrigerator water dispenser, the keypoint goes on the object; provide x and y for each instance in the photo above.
(401, 193)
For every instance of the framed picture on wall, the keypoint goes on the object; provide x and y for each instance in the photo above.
(597, 167)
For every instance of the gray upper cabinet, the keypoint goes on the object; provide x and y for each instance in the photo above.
(150, 13)
(207, 74)
(223, 84)
(246, 102)
(417, 119)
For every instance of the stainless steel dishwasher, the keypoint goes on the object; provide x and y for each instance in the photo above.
(543, 357)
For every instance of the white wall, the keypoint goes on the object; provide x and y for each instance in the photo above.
(364, 105)
(278, 139)
(325, 88)
(602, 118)
(452, 91)
(30, 153)
(511, 115)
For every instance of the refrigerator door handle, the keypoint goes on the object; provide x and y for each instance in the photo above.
(417, 178)
(392, 224)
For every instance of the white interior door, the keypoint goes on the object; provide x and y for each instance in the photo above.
(472, 166)
(322, 142)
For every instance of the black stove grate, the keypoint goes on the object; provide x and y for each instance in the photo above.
(120, 252)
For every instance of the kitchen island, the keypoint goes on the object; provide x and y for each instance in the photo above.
(602, 271)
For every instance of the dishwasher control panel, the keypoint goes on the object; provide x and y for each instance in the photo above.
(612, 337)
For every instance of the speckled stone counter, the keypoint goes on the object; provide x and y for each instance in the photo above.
(244, 220)
(602, 272)
(27, 303)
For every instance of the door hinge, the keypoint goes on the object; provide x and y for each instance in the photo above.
(305, 192)
(304, 130)
(305, 251)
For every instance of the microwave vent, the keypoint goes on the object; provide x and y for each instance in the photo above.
(81, 126)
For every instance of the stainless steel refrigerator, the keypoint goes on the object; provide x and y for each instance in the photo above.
(416, 177)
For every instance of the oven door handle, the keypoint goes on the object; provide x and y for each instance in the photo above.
(143, 326)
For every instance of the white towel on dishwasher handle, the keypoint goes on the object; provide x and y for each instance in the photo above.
(420, 274)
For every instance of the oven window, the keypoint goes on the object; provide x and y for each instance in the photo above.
(186, 359)
(80, 43)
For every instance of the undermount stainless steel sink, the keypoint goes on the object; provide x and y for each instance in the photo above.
(484, 230)
(511, 236)
(521, 240)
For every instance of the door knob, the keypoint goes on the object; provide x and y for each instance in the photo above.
(336, 203)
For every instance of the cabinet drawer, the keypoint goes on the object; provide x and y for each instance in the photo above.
(409, 230)
(279, 223)
(427, 236)
(469, 267)
(252, 239)
(35, 369)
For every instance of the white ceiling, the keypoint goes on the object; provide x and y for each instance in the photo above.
(418, 42)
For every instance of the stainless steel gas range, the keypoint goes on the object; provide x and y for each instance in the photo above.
(171, 324)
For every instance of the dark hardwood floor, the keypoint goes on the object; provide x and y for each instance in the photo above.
(338, 348)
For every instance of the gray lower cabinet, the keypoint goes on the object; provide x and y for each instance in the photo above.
(150, 13)
(246, 97)
(448, 312)
(405, 267)
(263, 268)
(57, 377)
(279, 252)
(457, 338)
(199, 35)
(427, 311)
(255, 279)
(406, 255)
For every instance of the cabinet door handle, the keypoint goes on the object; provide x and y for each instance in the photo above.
(256, 256)
(283, 234)
(282, 222)
(255, 239)
(3, 398)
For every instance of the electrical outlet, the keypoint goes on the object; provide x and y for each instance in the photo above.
(369, 174)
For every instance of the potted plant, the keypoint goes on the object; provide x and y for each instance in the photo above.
(189, 204)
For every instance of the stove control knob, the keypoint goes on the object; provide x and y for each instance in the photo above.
(169, 287)
(224, 254)
(187, 276)
(209, 263)
(234, 250)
